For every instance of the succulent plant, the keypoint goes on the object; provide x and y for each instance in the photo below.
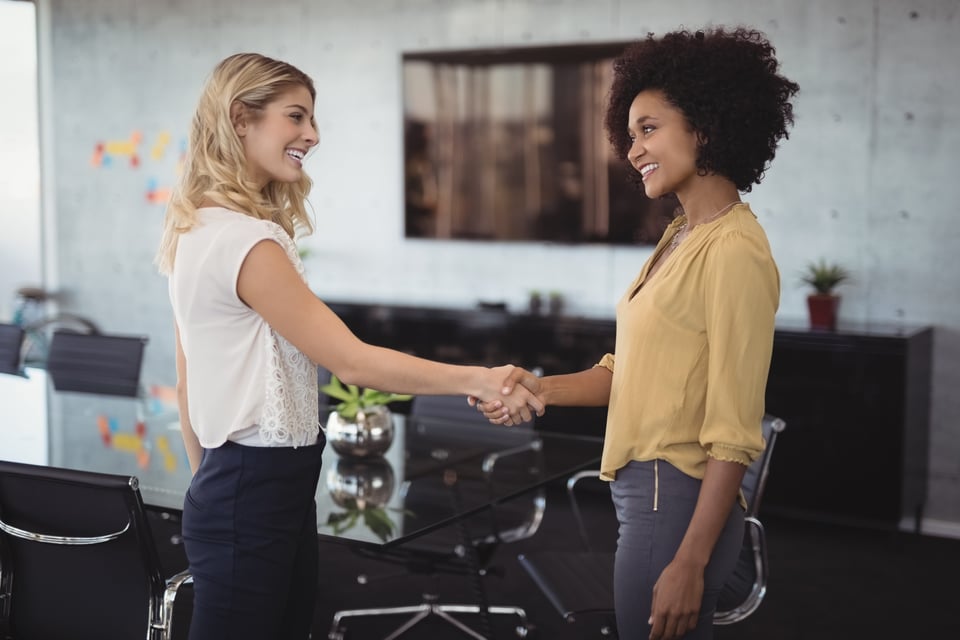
(352, 399)
(824, 277)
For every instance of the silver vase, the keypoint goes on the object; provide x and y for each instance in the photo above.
(361, 483)
(369, 434)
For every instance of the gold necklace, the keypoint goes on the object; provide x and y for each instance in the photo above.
(676, 239)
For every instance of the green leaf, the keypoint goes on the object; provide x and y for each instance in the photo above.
(352, 400)
(335, 518)
(824, 276)
(348, 410)
(336, 392)
(370, 397)
(379, 523)
(341, 522)
(335, 389)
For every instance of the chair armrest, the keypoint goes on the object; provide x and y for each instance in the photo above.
(165, 624)
(573, 480)
(177, 581)
(6, 589)
(748, 595)
(491, 459)
(23, 534)
(572, 483)
(528, 528)
(758, 536)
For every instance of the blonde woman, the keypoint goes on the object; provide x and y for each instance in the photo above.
(249, 337)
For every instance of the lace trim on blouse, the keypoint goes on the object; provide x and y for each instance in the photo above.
(290, 412)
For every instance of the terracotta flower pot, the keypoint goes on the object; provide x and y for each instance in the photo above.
(823, 311)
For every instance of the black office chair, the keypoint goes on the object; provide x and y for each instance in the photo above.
(11, 342)
(581, 583)
(467, 547)
(96, 363)
(77, 559)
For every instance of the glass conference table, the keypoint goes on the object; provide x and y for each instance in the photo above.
(435, 473)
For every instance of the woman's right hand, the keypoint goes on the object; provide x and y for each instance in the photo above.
(519, 393)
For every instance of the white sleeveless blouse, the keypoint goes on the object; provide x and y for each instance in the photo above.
(245, 382)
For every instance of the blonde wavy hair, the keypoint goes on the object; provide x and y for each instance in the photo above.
(215, 166)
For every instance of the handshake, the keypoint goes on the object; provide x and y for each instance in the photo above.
(514, 397)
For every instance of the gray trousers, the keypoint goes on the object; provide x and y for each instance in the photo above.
(654, 503)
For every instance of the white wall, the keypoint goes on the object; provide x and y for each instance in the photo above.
(865, 178)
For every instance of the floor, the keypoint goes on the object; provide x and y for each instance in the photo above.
(826, 582)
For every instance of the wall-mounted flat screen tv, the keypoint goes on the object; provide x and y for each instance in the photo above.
(509, 145)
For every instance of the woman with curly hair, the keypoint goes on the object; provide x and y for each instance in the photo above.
(698, 115)
(249, 337)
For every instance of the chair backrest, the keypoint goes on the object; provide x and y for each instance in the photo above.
(11, 342)
(96, 363)
(755, 479)
(78, 558)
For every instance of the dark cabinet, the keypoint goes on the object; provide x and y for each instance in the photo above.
(856, 401)
(553, 343)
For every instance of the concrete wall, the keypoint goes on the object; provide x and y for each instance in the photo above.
(865, 178)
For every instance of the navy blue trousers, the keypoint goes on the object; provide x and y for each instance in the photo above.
(649, 539)
(250, 535)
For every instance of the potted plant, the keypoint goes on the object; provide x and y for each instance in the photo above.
(361, 424)
(556, 302)
(823, 304)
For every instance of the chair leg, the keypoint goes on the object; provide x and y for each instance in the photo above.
(337, 626)
(496, 610)
(424, 611)
(451, 620)
(411, 623)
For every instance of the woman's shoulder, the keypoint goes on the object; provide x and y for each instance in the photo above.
(741, 223)
(229, 222)
(225, 216)
(740, 235)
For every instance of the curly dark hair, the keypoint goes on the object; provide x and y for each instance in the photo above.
(726, 84)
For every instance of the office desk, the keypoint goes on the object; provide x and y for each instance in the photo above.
(359, 501)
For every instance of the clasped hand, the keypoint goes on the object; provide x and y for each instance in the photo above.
(518, 399)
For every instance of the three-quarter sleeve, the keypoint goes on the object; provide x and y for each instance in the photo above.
(741, 295)
(606, 362)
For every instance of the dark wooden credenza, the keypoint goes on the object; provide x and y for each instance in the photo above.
(857, 406)
(856, 400)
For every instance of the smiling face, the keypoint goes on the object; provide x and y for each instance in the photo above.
(276, 140)
(664, 146)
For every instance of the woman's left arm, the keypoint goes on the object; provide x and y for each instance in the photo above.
(679, 590)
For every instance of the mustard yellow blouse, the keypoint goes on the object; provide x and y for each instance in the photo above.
(693, 350)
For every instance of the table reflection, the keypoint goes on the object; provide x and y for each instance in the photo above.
(363, 489)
